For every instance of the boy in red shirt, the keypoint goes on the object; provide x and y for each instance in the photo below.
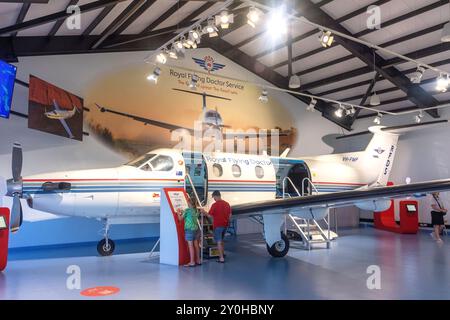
(220, 211)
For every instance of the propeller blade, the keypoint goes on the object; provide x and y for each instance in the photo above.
(16, 213)
(17, 159)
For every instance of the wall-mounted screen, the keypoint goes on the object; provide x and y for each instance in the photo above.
(411, 208)
(3, 223)
(7, 77)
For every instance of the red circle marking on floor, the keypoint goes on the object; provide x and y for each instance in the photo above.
(99, 291)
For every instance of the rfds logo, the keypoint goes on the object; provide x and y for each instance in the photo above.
(209, 64)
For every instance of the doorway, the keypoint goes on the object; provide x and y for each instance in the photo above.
(196, 168)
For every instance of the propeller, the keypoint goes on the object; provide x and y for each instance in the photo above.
(15, 188)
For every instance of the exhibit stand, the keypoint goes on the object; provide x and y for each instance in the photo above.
(173, 247)
(409, 218)
(4, 237)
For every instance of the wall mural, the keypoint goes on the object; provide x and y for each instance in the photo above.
(54, 110)
(132, 115)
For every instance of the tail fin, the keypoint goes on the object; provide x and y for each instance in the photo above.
(380, 153)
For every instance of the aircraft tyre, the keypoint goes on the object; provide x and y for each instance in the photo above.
(279, 249)
(105, 249)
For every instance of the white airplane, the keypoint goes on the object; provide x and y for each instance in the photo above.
(130, 194)
(62, 116)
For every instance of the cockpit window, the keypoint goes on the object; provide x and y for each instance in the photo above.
(141, 160)
(162, 163)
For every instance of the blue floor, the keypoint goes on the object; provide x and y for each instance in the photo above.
(412, 267)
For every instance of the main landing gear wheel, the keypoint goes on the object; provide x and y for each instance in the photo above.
(280, 248)
(106, 248)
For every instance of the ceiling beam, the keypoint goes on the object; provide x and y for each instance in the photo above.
(364, 32)
(99, 18)
(369, 115)
(135, 16)
(384, 45)
(26, 1)
(224, 48)
(366, 95)
(22, 14)
(186, 22)
(59, 23)
(55, 16)
(163, 17)
(122, 18)
(415, 93)
(58, 45)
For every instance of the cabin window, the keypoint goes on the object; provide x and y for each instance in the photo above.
(141, 160)
(217, 170)
(236, 170)
(162, 163)
(259, 171)
(146, 167)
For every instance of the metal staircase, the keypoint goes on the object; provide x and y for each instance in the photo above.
(307, 231)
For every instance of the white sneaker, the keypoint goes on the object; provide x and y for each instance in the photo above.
(439, 241)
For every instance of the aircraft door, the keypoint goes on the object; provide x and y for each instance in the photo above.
(197, 170)
(294, 171)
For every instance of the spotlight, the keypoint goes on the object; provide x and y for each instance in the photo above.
(211, 29)
(445, 36)
(311, 105)
(194, 38)
(418, 118)
(326, 38)
(194, 81)
(161, 58)
(264, 97)
(339, 112)
(374, 100)
(442, 83)
(377, 119)
(277, 24)
(224, 19)
(155, 75)
(179, 46)
(253, 16)
(173, 53)
(294, 82)
(186, 43)
(417, 75)
(350, 111)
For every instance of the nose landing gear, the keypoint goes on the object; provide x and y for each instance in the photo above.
(106, 246)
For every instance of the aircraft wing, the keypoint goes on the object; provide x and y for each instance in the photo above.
(66, 127)
(146, 121)
(340, 199)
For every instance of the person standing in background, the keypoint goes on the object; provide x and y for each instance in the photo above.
(221, 213)
(437, 217)
(191, 233)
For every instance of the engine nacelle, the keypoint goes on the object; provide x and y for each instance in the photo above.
(374, 205)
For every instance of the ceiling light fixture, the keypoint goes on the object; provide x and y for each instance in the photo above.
(350, 111)
(264, 97)
(155, 75)
(374, 99)
(224, 19)
(294, 82)
(326, 39)
(418, 118)
(194, 81)
(161, 58)
(339, 112)
(277, 24)
(377, 119)
(442, 83)
(211, 29)
(416, 77)
(312, 105)
(253, 16)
